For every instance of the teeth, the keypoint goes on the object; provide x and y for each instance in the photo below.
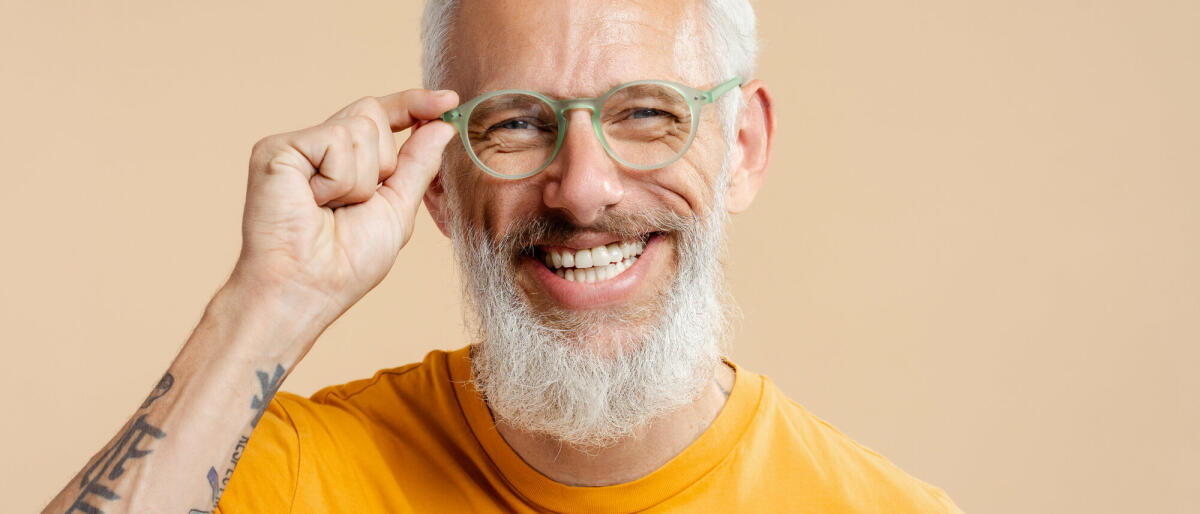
(591, 257)
(599, 256)
(594, 264)
(583, 259)
(614, 253)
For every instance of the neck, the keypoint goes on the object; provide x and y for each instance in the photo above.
(647, 450)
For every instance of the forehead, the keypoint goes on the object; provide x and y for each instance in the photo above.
(571, 48)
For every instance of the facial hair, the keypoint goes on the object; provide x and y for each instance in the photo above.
(591, 379)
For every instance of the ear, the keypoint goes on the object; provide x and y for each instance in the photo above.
(752, 144)
(435, 202)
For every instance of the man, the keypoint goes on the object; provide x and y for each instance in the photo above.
(601, 147)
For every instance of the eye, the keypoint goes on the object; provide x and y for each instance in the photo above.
(514, 124)
(648, 113)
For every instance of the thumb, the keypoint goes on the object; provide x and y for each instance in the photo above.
(416, 165)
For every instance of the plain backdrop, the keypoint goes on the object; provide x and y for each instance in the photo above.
(976, 251)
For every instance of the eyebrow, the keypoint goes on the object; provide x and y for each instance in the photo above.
(503, 103)
(657, 92)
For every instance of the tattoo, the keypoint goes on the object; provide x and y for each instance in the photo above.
(111, 465)
(218, 488)
(270, 386)
(722, 389)
(164, 385)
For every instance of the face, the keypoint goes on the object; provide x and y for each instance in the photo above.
(586, 348)
(581, 49)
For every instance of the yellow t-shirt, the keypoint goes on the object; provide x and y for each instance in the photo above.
(419, 439)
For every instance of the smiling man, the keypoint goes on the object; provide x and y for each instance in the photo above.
(600, 149)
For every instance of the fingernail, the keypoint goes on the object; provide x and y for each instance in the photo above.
(442, 92)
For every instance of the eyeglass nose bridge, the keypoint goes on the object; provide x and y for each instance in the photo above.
(593, 106)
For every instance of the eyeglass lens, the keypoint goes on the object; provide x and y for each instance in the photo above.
(645, 125)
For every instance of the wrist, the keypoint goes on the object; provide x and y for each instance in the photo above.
(269, 320)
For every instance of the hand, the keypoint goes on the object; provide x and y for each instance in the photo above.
(329, 207)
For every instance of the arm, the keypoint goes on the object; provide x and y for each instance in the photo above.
(327, 210)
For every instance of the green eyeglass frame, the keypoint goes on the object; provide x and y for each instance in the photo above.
(696, 99)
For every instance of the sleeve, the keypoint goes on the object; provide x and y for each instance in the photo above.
(266, 475)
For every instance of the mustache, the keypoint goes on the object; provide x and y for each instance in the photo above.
(556, 228)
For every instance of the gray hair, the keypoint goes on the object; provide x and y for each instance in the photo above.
(732, 41)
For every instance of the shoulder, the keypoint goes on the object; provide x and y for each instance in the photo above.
(840, 464)
(343, 434)
(403, 395)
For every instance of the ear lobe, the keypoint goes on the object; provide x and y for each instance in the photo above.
(435, 202)
(752, 147)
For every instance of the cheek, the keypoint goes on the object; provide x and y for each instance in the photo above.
(687, 186)
(496, 203)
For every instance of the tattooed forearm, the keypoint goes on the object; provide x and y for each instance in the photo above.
(100, 478)
(218, 482)
(102, 475)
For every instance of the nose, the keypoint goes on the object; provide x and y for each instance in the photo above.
(585, 181)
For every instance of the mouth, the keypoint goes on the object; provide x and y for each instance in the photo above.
(597, 271)
(593, 264)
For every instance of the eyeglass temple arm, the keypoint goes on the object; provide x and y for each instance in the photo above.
(713, 94)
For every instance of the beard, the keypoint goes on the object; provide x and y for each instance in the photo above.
(590, 379)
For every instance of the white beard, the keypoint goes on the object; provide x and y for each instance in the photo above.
(590, 380)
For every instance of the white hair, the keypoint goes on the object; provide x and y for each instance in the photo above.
(732, 43)
(591, 380)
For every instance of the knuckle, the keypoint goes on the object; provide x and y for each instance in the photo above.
(368, 104)
(263, 151)
(363, 124)
(340, 132)
(264, 145)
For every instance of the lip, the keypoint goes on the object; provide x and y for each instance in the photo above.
(584, 296)
(592, 240)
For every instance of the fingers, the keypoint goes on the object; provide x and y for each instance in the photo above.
(371, 108)
(332, 160)
(408, 107)
(345, 158)
(396, 111)
(358, 184)
(417, 163)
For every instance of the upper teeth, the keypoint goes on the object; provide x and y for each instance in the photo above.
(594, 264)
(594, 257)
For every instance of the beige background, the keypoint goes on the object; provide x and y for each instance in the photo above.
(976, 252)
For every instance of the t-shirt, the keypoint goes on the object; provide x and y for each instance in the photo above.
(419, 438)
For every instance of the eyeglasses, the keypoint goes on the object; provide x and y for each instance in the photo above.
(645, 125)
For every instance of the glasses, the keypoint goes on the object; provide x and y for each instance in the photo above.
(644, 125)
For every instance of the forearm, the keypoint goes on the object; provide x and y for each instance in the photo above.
(181, 445)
